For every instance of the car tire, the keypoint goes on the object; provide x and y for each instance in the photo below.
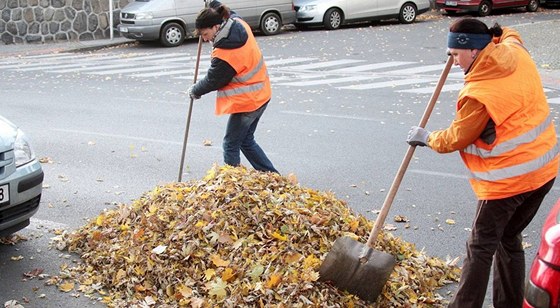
(408, 13)
(172, 35)
(533, 6)
(271, 24)
(485, 8)
(333, 19)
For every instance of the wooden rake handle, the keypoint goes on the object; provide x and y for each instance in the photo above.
(404, 164)
(189, 113)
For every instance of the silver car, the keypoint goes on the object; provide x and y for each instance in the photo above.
(21, 179)
(332, 14)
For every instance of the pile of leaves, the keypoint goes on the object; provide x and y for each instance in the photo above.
(237, 237)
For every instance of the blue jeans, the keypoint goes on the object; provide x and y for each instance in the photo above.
(240, 132)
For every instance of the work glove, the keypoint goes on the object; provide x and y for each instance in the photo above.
(418, 136)
(191, 94)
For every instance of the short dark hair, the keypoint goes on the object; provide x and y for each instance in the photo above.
(209, 17)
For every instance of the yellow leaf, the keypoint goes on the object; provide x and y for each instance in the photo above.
(354, 224)
(99, 220)
(292, 257)
(209, 273)
(66, 287)
(311, 262)
(140, 270)
(121, 274)
(274, 280)
(184, 291)
(278, 236)
(218, 261)
(450, 221)
(153, 208)
(180, 196)
(228, 274)
(200, 224)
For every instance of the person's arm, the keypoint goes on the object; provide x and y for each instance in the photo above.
(471, 120)
(218, 76)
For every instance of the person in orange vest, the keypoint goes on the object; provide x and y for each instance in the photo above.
(505, 135)
(239, 75)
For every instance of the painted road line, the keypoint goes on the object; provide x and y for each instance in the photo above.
(387, 84)
(328, 81)
(369, 67)
(426, 90)
(319, 65)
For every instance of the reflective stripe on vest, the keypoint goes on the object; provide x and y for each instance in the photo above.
(509, 172)
(250, 74)
(509, 145)
(241, 90)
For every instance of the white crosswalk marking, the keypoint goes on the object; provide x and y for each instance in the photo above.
(287, 61)
(385, 84)
(345, 74)
(427, 90)
(132, 70)
(318, 65)
(369, 67)
(555, 101)
(326, 81)
(93, 68)
(418, 69)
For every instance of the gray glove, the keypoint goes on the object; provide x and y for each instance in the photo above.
(191, 94)
(418, 136)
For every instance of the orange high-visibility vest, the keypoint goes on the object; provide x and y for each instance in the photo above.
(524, 155)
(250, 88)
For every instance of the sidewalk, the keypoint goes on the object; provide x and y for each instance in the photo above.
(48, 48)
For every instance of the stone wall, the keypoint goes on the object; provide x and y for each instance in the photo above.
(42, 21)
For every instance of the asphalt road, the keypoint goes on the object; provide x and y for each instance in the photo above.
(342, 104)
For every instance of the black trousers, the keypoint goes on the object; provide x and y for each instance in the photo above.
(496, 235)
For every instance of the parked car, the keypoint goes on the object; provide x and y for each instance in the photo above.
(332, 14)
(171, 21)
(550, 3)
(21, 179)
(542, 289)
(484, 7)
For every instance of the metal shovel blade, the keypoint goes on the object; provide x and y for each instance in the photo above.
(356, 268)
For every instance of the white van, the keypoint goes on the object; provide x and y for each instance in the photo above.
(171, 21)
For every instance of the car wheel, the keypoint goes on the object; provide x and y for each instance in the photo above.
(271, 24)
(408, 13)
(172, 35)
(533, 6)
(484, 9)
(333, 19)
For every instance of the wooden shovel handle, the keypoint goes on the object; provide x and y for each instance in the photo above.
(404, 164)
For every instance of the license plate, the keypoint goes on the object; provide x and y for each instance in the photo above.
(4, 193)
(451, 3)
(123, 29)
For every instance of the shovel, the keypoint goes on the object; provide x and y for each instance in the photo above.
(360, 269)
(180, 178)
